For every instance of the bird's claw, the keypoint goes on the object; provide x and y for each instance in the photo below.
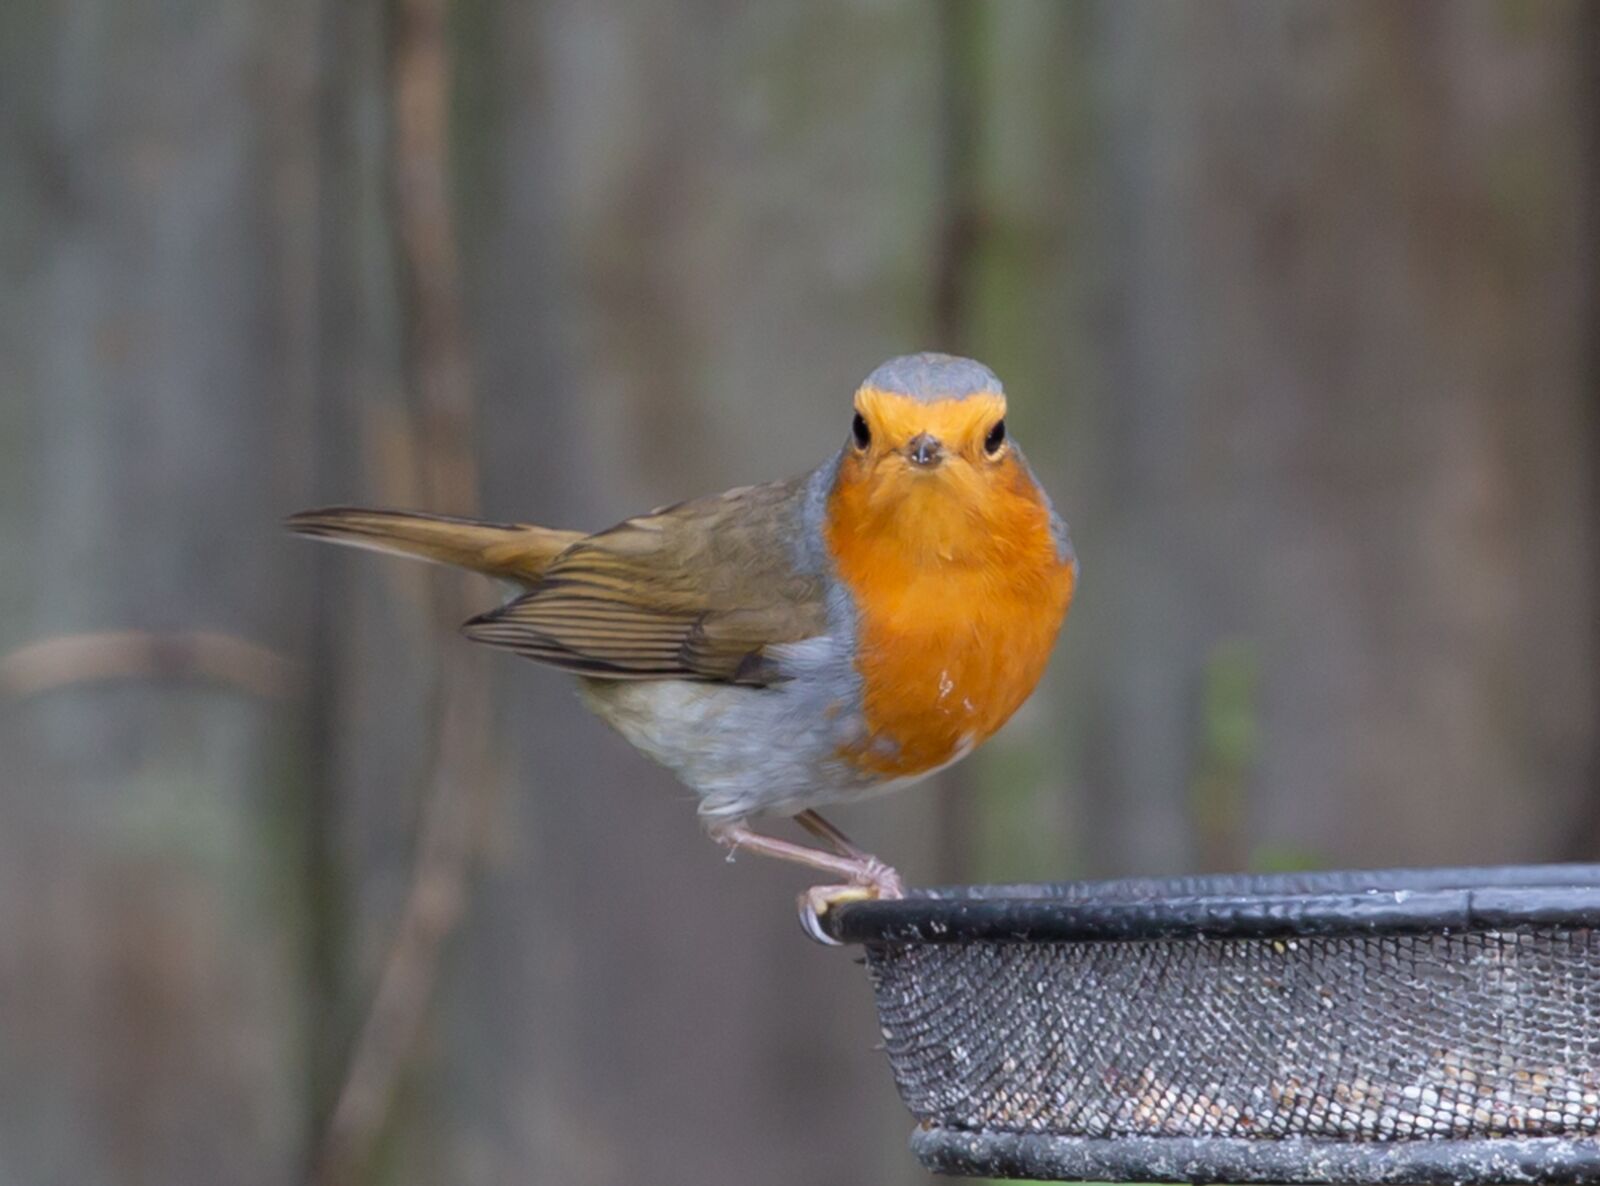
(882, 880)
(878, 881)
(819, 899)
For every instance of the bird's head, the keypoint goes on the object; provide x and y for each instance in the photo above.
(930, 461)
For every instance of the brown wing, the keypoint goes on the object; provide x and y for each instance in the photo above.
(701, 590)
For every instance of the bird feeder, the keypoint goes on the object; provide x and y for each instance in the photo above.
(1399, 1026)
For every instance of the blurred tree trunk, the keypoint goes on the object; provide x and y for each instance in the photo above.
(1340, 596)
(687, 243)
(154, 360)
(1295, 307)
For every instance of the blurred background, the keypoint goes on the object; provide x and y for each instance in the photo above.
(1295, 306)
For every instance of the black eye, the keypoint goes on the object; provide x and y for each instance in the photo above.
(862, 433)
(996, 438)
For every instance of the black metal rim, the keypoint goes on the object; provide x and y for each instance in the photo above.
(1182, 1159)
(1385, 901)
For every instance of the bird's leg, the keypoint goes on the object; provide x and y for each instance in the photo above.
(866, 875)
(813, 822)
(860, 870)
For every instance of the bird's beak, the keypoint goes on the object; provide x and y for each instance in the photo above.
(924, 451)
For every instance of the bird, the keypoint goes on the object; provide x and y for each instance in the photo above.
(803, 643)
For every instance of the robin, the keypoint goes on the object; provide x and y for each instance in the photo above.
(801, 643)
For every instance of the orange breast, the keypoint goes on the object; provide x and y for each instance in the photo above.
(960, 593)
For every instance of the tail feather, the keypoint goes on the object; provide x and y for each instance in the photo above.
(512, 551)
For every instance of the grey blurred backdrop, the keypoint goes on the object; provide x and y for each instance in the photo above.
(1295, 305)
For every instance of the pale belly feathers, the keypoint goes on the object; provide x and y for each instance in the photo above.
(748, 751)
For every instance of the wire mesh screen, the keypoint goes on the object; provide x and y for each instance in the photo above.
(1477, 1035)
(1250, 1017)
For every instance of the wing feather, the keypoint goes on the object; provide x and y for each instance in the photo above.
(700, 590)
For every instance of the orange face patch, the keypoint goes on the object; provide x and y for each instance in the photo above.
(956, 576)
(960, 424)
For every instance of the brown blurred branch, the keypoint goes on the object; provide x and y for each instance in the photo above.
(961, 47)
(435, 903)
(69, 659)
(438, 362)
(436, 332)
